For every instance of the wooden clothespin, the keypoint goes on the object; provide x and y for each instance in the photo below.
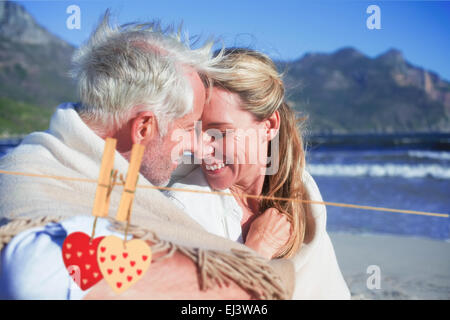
(126, 202)
(106, 180)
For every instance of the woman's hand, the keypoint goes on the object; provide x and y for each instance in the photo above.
(268, 233)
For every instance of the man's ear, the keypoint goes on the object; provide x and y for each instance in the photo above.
(272, 125)
(143, 127)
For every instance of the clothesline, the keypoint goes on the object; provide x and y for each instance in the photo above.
(345, 205)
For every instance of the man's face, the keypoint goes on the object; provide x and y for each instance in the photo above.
(163, 153)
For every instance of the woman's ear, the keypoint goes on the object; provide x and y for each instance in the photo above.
(143, 127)
(272, 125)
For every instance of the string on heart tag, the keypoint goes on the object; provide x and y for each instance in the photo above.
(79, 249)
(122, 262)
(128, 215)
(109, 186)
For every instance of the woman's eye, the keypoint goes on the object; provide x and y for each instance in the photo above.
(219, 134)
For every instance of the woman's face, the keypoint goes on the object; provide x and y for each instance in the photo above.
(234, 142)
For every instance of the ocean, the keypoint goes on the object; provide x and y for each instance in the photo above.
(407, 179)
(397, 177)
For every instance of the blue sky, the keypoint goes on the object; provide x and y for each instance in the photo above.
(284, 29)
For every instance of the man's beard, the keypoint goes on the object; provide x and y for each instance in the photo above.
(156, 166)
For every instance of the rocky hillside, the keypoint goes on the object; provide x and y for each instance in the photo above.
(34, 67)
(348, 92)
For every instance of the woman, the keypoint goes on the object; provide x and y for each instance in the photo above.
(252, 99)
(246, 116)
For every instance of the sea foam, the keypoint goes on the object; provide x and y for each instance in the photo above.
(380, 170)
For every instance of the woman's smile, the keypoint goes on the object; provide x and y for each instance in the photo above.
(215, 168)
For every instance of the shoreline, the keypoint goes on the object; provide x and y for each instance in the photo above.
(410, 268)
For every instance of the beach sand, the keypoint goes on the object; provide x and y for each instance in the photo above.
(409, 267)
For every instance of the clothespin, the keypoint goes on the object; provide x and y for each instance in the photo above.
(126, 202)
(106, 179)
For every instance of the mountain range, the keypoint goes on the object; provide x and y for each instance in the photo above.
(343, 92)
(349, 92)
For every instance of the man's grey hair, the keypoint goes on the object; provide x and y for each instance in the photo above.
(124, 70)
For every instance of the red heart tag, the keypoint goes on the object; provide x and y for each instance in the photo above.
(80, 259)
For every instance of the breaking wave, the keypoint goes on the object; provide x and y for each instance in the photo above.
(438, 155)
(380, 170)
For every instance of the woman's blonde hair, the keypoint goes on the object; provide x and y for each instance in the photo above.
(255, 79)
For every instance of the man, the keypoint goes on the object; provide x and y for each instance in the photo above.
(137, 84)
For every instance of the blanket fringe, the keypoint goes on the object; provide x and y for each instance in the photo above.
(215, 268)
